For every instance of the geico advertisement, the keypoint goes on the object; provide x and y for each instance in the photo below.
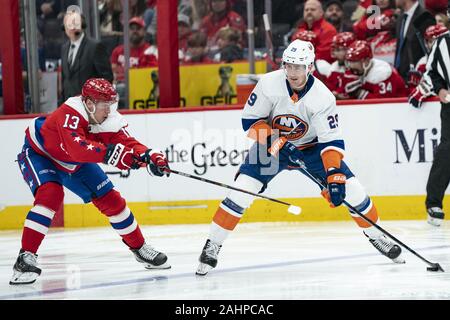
(200, 85)
(388, 147)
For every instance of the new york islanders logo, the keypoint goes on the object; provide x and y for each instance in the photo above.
(286, 122)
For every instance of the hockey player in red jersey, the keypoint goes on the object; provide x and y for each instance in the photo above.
(63, 149)
(339, 47)
(367, 77)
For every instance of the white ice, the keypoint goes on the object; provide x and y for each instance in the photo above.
(324, 260)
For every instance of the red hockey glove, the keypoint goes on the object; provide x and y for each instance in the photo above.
(423, 90)
(157, 162)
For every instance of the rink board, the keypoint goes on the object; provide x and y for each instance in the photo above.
(389, 147)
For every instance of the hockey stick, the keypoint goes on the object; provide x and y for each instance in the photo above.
(292, 209)
(269, 37)
(433, 266)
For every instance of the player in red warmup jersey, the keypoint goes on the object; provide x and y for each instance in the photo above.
(368, 78)
(339, 47)
(63, 149)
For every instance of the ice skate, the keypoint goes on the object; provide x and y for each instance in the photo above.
(151, 258)
(208, 258)
(25, 270)
(387, 248)
(435, 216)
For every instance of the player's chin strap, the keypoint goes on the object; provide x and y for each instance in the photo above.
(91, 113)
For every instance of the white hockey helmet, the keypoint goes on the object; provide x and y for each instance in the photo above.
(299, 52)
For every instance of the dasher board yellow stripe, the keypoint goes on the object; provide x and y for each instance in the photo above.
(202, 211)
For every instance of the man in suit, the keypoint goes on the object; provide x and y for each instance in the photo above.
(81, 57)
(411, 26)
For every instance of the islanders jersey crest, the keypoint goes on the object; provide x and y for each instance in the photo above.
(286, 122)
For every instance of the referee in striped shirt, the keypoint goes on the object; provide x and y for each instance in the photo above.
(438, 72)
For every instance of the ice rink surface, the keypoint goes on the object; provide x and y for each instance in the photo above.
(284, 261)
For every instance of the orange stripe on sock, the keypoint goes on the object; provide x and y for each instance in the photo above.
(372, 215)
(225, 220)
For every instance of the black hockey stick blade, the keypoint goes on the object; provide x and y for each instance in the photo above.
(436, 267)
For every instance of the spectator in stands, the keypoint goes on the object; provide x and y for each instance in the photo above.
(334, 14)
(228, 42)
(81, 57)
(411, 25)
(384, 42)
(367, 77)
(197, 51)
(221, 16)
(341, 42)
(367, 27)
(360, 10)
(184, 31)
(138, 56)
(110, 14)
(325, 31)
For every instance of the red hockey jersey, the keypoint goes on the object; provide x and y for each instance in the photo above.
(382, 81)
(68, 140)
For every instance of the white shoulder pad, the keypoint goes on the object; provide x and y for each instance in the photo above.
(113, 123)
(323, 67)
(335, 67)
(381, 70)
(77, 104)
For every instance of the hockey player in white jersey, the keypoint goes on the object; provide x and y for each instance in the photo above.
(281, 101)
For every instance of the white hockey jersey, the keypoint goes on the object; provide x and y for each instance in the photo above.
(313, 110)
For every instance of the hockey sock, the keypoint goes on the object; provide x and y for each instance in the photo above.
(121, 218)
(225, 220)
(48, 199)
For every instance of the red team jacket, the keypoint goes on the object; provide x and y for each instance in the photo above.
(382, 81)
(68, 140)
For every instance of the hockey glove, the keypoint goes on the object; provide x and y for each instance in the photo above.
(419, 94)
(156, 161)
(336, 186)
(414, 78)
(286, 149)
(121, 157)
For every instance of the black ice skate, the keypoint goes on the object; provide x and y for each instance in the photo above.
(387, 248)
(25, 270)
(208, 258)
(151, 258)
(435, 216)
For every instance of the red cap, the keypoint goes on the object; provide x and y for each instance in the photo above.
(138, 20)
(435, 31)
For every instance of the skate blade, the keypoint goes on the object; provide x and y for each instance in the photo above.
(203, 269)
(435, 222)
(160, 267)
(23, 278)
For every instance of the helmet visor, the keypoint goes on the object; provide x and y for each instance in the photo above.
(294, 69)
